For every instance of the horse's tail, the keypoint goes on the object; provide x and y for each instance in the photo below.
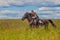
(52, 23)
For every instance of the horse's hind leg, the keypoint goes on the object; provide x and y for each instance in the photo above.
(46, 27)
(37, 26)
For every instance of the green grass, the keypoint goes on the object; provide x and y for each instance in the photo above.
(16, 29)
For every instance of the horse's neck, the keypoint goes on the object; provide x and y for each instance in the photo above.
(29, 18)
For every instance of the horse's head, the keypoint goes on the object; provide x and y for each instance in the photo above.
(26, 15)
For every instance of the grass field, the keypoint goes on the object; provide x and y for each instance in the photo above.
(16, 29)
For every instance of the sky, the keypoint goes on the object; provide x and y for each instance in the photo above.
(14, 9)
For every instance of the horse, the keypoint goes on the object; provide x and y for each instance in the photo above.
(41, 22)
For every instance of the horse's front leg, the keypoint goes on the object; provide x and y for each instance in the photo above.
(37, 25)
(31, 25)
(46, 25)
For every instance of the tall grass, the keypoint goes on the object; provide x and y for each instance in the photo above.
(16, 29)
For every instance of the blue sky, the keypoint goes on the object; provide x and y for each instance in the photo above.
(13, 9)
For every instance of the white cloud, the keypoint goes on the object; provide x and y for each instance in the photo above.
(4, 3)
(22, 2)
(57, 14)
(16, 2)
(6, 17)
(9, 11)
(50, 12)
(55, 1)
(49, 8)
(3, 14)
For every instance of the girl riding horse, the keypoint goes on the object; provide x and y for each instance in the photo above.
(35, 18)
